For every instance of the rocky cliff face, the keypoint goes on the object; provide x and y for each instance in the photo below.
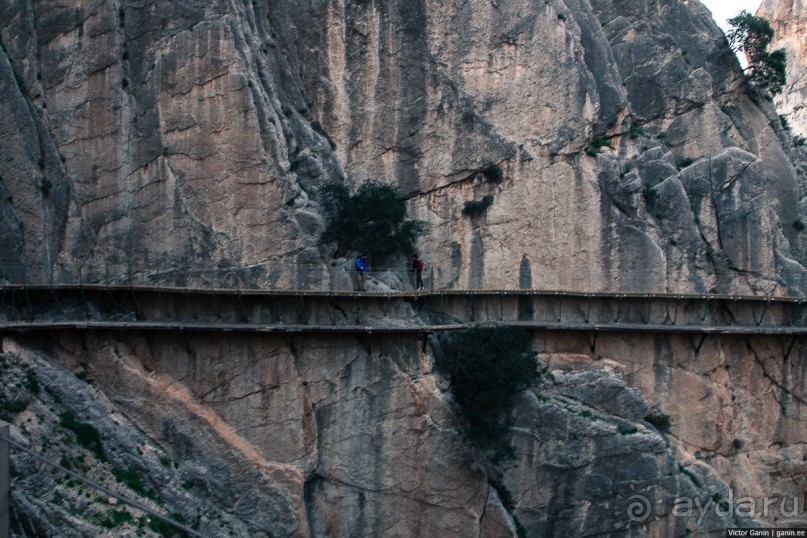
(183, 142)
(789, 21)
(334, 436)
(144, 141)
(150, 137)
(532, 87)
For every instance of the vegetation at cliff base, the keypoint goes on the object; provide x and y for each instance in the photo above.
(661, 421)
(752, 35)
(371, 220)
(86, 434)
(489, 366)
(133, 480)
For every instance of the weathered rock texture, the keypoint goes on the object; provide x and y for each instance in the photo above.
(789, 21)
(531, 86)
(170, 141)
(165, 132)
(337, 436)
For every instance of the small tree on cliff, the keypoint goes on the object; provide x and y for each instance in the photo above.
(488, 368)
(372, 220)
(752, 35)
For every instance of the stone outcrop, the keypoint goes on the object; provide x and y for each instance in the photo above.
(165, 135)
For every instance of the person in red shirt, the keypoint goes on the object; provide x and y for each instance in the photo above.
(417, 268)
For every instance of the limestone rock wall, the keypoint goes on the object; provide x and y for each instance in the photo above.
(149, 137)
(540, 90)
(266, 435)
(181, 142)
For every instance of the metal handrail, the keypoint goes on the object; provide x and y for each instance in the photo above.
(340, 275)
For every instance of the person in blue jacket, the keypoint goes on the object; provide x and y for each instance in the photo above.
(361, 271)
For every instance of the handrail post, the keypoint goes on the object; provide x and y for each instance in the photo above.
(5, 488)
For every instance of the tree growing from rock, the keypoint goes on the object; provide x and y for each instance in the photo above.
(489, 366)
(752, 35)
(372, 220)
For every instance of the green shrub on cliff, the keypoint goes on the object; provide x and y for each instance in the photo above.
(488, 368)
(661, 421)
(752, 35)
(493, 172)
(372, 220)
(86, 434)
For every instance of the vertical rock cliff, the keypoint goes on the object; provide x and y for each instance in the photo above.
(146, 138)
(155, 142)
(622, 133)
(263, 436)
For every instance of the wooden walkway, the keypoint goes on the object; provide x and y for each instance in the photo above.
(97, 307)
(169, 326)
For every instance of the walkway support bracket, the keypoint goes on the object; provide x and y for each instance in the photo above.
(5, 481)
